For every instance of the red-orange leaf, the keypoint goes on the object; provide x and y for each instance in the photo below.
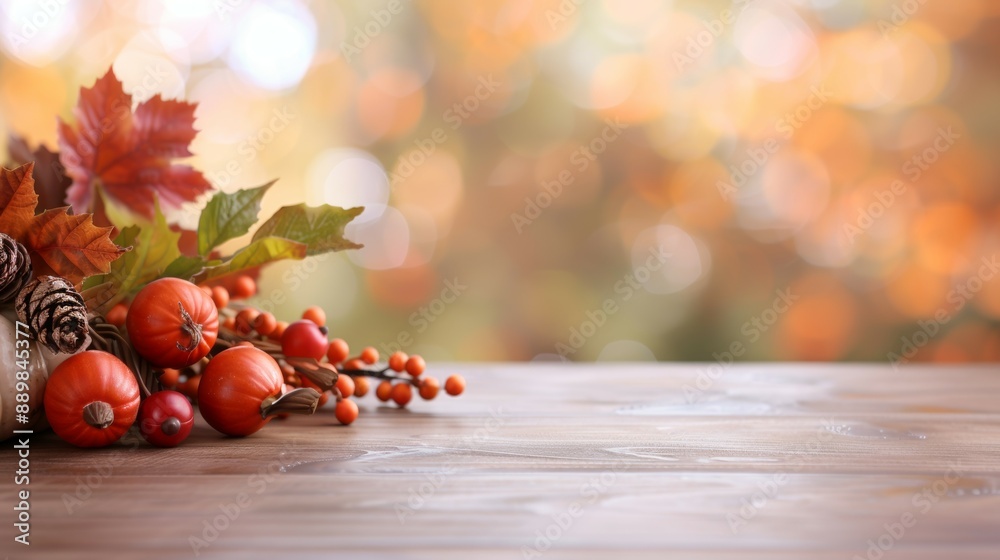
(70, 246)
(126, 154)
(59, 243)
(17, 200)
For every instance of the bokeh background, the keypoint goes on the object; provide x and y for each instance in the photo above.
(819, 177)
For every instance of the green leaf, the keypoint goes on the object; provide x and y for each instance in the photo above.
(321, 228)
(184, 267)
(228, 216)
(260, 252)
(154, 248)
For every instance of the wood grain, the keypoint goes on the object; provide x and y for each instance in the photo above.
(766, 461)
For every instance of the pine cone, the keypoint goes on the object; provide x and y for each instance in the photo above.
(55, 312)
(15, 268)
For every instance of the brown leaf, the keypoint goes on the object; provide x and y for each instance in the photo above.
(125, 156)
(322, 374)
(70, 246)
(51, 181)
(17, 200)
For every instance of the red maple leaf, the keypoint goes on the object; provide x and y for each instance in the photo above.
(125, 156)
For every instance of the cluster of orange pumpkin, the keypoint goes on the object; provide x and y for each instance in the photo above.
(241, 371)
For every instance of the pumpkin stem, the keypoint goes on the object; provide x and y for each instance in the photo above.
(170, 426)
(98, 414)
(190, 328)
(299, 401)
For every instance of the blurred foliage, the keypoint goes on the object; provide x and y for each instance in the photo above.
(628, 179)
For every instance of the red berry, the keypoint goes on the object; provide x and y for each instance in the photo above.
(264, 324)
(454, 385)
(429, 387)
(244, 321)
(220, 296)
(279, 331)
(169, 378)
(353, 364)
(116, 316)
(303, 339)
(316, 315)
(243, 288)
(397, 361)
(415, 366)
(338, 351)
(166, 418)
(345, 385)
(361, 386)
(189, 388)
(384, 391)
(402, 393)
(346, 411)
(369, 355)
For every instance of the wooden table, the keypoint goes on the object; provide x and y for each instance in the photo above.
(554, 461)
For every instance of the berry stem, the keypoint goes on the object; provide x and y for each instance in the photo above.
(377, 374)
(230, 338)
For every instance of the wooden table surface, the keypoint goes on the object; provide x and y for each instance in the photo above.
(556, 461)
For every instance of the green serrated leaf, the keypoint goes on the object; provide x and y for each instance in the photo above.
(184, 267)
(321, 228)
(154, 248)
(228, 216)
(260, 252)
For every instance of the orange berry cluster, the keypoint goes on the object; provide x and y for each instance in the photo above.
(396, 388)
(400, 377)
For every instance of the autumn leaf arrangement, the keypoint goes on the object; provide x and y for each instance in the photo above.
(108, 307)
